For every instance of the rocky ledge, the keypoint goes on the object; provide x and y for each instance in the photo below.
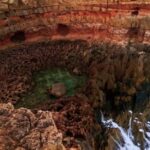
(21, 129)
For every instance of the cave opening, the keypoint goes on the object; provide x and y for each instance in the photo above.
(135, 11)
(63, 29)
(18, 37)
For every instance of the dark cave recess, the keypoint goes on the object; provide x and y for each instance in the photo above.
(18, 37)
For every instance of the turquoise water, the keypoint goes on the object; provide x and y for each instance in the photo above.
(43, 80)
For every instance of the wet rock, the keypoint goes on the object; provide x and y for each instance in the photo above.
(58, 90)
(129, 130)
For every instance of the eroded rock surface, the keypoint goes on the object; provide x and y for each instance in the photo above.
(114, 72)
(18, 65)
(21, 129)
(115, 75)
(118, 22)
(75, 118)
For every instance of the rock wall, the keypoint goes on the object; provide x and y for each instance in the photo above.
(115, 75)
(113, 22)
(21, 129)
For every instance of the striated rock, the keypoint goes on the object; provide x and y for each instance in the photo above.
(93, 20)
(22, 129)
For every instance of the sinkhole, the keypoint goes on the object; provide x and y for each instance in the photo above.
(43, 82)
(76, 80)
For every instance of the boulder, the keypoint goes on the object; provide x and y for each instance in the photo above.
(58, 90)
(77, 71)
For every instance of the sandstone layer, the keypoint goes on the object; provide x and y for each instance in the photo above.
(123, 22)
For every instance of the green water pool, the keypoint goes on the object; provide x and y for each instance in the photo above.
(44, 80)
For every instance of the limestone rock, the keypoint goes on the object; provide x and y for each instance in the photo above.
(21, 129)
(58, 90)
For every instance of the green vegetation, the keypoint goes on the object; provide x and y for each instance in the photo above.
(43, 80)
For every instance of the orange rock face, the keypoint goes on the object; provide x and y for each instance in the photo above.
(123, 22)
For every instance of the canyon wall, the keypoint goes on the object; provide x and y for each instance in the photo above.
(115, 72)
(118, 22)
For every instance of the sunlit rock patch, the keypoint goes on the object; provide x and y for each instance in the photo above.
(21, 129)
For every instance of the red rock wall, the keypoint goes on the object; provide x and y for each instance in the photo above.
(94, 22)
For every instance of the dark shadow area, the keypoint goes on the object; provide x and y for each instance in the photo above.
(135, 11)
(63, 29)
(18, 36)
(133, 32)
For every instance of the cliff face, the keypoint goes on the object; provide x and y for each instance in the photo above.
(124, 22)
